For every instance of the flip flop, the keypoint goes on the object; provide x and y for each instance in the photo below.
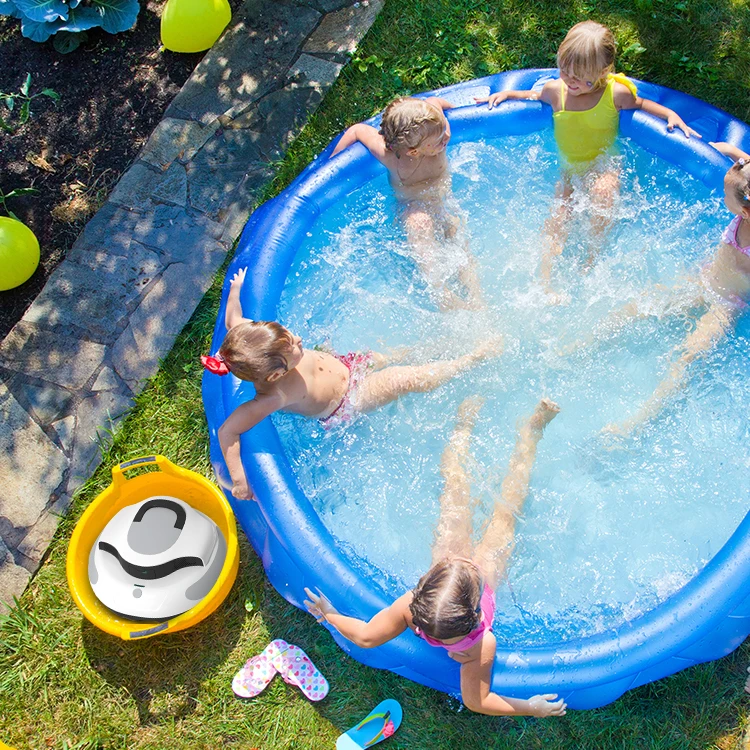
(377, 726)
(296, 668)
(258, 671)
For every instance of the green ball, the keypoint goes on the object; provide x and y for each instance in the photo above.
(19, 253)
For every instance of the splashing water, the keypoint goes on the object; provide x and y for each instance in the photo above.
(608, 530)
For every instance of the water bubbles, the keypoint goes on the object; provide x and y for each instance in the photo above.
(613, 524)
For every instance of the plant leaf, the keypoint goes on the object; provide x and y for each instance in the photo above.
(10, 102)
(8, 8)
(26, 85)
(22, 191)
(25, 112)
(51, 93)
(82, 19)
(42, 10)
(4, 126)
(37, 31)
(117, 15)
(67, 41)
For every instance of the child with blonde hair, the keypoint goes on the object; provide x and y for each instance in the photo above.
(586, 101)
(411, 144)
(326, 386)
(453, 605)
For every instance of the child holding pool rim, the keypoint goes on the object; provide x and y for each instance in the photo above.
(453, 604)
(586, 101)
(319, 384)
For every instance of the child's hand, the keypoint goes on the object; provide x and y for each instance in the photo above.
(675, 121)
(242, 491)
(239, 278)
(493, 100)
(545, 705)
(318, 606)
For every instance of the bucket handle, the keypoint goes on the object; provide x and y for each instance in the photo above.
(163, 463)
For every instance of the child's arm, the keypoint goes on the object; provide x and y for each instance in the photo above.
(383, 627)
(729, 150)
(625, 99)
(242, 419)
(476, 680)
(367, 136)
(438, 101)
(546, 95)
(233, 314)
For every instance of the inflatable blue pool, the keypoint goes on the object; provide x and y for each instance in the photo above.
(706, 619)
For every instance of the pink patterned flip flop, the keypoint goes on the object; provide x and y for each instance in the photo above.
(296, 668)
(253, 678)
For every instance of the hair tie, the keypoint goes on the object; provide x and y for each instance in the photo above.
(216, 364)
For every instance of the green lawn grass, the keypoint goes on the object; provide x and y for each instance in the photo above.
(63, 684)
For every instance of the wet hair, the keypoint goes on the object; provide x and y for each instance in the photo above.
(447, 600)
(587, 51)
(739, 174)
(407, 121)
(254, 349)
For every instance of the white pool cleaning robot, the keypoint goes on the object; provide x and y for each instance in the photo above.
(156, 559)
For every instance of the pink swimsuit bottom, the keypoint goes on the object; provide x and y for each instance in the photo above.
(358, 363)
(487, 603)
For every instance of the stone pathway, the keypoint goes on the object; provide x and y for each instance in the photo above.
(113, 309)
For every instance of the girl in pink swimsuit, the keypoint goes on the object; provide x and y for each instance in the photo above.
(453, 605)
(722, 289)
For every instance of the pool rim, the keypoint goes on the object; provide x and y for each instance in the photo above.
(705, 619)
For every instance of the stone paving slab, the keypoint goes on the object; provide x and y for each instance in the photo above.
(112, 310)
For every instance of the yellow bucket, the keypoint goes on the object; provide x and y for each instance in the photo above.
(170, 480)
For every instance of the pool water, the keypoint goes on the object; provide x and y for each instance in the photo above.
(610, 527)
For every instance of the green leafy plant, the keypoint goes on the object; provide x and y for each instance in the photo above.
(68, 20)
(17, 193)
(23, 98)
(363, 63)
(702, 70)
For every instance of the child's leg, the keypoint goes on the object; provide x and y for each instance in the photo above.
(493, 551)
(383, 386)
(604, 190)
(677, 300)
(556, 232)
(422, 239)
(712, 327)
(453, 532)
(420, 220)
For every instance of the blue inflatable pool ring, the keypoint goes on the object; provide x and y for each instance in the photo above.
(706, 619)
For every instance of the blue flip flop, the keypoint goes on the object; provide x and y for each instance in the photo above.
(377, 726)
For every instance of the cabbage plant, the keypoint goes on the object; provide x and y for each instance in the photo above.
(69, 20)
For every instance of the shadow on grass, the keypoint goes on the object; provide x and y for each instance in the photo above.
(163, 674)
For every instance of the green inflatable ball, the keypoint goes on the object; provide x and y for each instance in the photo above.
(19, 253)
(193, 25)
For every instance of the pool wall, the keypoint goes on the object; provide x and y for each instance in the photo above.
(706, 619)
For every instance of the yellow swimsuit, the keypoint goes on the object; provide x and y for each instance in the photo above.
(582, 136)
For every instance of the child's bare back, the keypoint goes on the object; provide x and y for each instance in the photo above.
(318, 384)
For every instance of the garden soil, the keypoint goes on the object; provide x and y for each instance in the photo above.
(113, 91)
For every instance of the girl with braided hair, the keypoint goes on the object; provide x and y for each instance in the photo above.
(453, 605)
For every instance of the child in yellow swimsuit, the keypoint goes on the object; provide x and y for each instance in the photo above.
(586, 101)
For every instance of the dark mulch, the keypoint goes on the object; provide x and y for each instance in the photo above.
(113, 91)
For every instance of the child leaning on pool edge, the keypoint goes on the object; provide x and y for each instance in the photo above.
(411, 144)
(722, 289)
(317, 384)
(453, 605)
(586, 101)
